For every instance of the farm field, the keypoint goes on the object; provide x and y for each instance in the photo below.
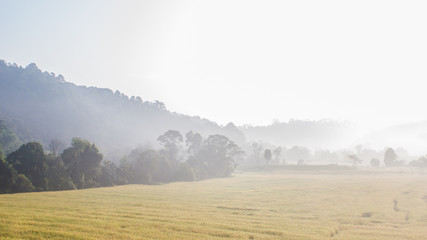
(280, 204)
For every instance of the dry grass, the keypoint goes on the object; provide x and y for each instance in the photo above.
(275, 205)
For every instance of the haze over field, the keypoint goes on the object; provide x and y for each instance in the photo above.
(246, 62)
(237, 119)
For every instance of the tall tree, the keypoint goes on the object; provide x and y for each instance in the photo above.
(7, 175)
(30, 160)
(56, 146)
(257, 150)
(390, 157)
(82, 161)
(267, 155)
(193, 142)
(151, 167)
(111, 175)
(57, 176)
(216, 157)
(171, 141)
(277, 152)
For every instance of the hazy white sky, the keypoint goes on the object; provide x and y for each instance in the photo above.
(248, 62)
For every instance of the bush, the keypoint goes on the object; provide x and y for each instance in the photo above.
(375, 162)
(23, 184)
(421, 162)
(185, 173)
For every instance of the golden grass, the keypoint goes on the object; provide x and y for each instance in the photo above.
(275, 205)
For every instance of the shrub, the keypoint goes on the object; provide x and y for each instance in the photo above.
(23, 184)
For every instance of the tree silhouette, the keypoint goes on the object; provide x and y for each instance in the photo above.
(256, 150)
(354, 158)
(56, 146)
(390, 157)
(277, 152)
(193, 142)
(216, 157)
(267, 155)
(171, 140)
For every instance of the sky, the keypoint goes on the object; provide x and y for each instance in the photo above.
(240, 61)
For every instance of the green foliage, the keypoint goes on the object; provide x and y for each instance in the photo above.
(127, 169)
(216, 157)
(57, 174)
(82, 161)
(79, 166)
(23, 184)
(9, 142)
(185, 173)
(56, 146)
(111, 175)
(151, 167)
(30, 161)
(193, 141)
(171, 140)
(7, 175)
(171, 137)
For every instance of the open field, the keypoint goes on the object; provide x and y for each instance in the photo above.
(281, 204)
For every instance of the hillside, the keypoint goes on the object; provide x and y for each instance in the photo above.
(42, 106)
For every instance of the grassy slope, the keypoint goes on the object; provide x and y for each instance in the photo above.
(275, 205)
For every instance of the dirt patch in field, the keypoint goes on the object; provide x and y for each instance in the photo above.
(235, 208)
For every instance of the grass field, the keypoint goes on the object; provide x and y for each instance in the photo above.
(253, 205)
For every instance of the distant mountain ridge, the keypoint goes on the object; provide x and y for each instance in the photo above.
(43, 106)
(322, 134)
(411, 136)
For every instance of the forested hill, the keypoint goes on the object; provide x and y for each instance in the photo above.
(42, 106)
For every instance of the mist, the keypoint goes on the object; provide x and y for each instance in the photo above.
(162, 119)
(43, 106)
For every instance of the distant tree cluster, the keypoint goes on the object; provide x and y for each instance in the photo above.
(421, 162)
(277, 155)
(266, 154)
(80, 166)
(199, 159)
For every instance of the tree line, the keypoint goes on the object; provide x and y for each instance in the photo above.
(266, 154)
(81, 165)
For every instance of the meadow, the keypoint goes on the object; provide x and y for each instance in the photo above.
(268, 204)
